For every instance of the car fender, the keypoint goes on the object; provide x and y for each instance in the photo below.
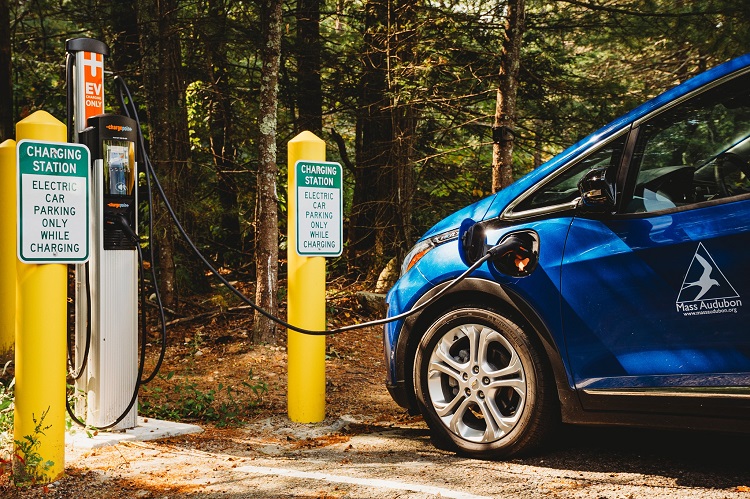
(477, 290)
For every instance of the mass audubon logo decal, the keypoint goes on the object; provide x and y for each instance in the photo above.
(705, 289)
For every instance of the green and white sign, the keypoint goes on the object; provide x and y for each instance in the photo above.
(53, 202)
(319, 208)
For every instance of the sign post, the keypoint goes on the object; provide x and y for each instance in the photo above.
(314, 230)
(41, 312)
(7, 249)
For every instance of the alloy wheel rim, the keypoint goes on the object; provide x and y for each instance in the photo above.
(476, 383)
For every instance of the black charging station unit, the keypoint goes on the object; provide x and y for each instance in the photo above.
(112, 138)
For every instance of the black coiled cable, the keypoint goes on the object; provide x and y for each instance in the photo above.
(123, 88)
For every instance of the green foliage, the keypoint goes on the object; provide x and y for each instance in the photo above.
(6, 404)
(582, 64)
(74, 396)
(30, 467)
(185, 401)
(6, 422)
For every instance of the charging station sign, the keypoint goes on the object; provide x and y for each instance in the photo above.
(91, 86)
(319, 208)
(53, 202)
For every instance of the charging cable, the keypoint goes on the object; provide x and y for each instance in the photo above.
(142, 360)
(122, 86)
(131, 112)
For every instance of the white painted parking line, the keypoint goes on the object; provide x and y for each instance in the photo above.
(364, 482)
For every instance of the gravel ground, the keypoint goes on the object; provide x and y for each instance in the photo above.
(348, 457)
(370, 448)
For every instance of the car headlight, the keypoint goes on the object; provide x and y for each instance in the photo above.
(423, 247)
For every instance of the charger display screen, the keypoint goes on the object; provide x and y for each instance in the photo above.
(119, 162)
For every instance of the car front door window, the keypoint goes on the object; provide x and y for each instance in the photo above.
(696, 152)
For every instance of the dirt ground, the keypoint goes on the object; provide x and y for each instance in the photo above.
(210, 355)
(367, 447)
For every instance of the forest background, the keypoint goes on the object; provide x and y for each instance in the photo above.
(407, 95)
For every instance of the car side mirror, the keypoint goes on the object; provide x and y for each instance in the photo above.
(515, 255)
(597, 191)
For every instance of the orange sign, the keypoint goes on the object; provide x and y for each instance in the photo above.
(93, 84)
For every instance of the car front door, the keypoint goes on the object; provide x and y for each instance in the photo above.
(655, 298)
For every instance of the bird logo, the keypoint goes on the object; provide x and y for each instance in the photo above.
(704, 280)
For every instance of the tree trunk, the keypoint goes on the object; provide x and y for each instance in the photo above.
(167, 115)
(6, 83)
(309, 90)
(381, 209)
(505, 110)
(538, 143)
(374, 132)
(266, 213)
(394, 228)
(221, 129)
(125, 51)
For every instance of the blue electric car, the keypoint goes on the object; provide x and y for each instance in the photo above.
(612, 285)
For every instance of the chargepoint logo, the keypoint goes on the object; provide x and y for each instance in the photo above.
(705, 289)
(119, 128)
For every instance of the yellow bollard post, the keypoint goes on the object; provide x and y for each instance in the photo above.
(7, 250)
(306, 307)
(41, 320)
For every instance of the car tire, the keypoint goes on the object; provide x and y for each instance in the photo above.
(499, 401)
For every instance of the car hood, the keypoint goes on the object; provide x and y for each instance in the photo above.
(477, 211)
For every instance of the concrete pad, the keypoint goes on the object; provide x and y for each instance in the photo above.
(147, 429)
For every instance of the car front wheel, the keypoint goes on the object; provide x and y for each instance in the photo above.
(483, 385)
